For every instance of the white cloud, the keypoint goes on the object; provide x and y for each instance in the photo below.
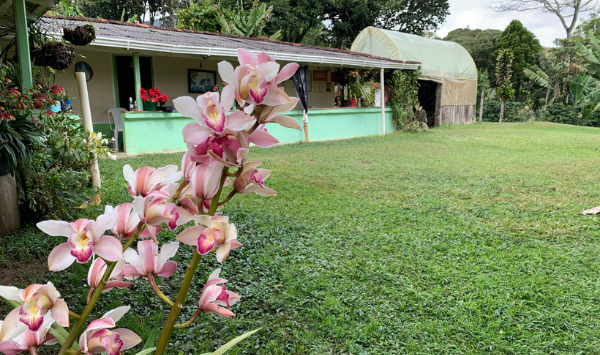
(478, 14)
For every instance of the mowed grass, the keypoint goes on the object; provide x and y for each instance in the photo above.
(460, 240)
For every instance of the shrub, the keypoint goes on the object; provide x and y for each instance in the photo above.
(559, 113)
(513, 111)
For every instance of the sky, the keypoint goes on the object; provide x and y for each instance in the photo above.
(478, 14)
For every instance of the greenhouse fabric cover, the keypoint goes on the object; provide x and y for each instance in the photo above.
(443, 62)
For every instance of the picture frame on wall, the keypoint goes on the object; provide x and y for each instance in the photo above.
(201, 81)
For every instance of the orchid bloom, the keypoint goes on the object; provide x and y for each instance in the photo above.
(275, 114)
(218, 234)
(256, 79)
(210, 114)
(229, 149)
(38, 301)
(85, 237)
(29, 339)
(149, 261)
(115, 279)
(127, 222)
(97, 338)
(155, 210)
(148, 181)
(215, 297)
(252, 180)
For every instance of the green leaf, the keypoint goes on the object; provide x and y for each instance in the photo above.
(222, 350)
(146, 351)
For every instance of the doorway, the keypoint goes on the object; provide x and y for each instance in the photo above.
(125, 78)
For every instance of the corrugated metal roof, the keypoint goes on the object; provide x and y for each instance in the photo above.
(177, 41)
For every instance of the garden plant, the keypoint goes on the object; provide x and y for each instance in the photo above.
(213, 171)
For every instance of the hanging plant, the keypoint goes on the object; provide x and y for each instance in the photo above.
(56, 55)
(80, 35)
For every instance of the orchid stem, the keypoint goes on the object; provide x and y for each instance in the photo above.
(74, 315)
(163, 341)
(189, 322)
(231, 194)
(78, 327)
(179, 190)
(33, 351)
(157, 290)
(254, 127)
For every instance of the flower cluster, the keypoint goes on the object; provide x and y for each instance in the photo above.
(153, 95)
(168, 197)
(58, 92)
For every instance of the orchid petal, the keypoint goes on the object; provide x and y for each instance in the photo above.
(247, 57)
(268, 70)
(129, 175)
(275, 96)
(286, 72)
(238, 121)
(166, 252)
(286, 121)
(262, 138)
(168, 269)
(102, 323)
(60, 257)
(228, 97)
(147, 250)
(190, 235)
(188, 107)
(10, 293)
(56, 228)
(264, 58)
(262, 191)
(227, 73)
(117, 313)
(109, 248)
(129, 338)
(194, 133)
(12, 325)
(60, 313)
(103, 223)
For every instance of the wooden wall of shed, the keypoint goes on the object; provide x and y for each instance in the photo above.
(456, 115)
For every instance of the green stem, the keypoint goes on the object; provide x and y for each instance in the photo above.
(163, 341)
(254, 127)
(74, 315)
(78, 327)
(189, 322)
(157, 290)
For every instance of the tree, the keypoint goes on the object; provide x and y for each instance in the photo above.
(479, 44)
(200, 17)
(567, 11)
(524, 48)
(504, 69)
(250, 24)
(348, 17)
(296, 19)
(591, 24)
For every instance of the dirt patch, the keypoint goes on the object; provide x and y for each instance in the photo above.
(19, 276)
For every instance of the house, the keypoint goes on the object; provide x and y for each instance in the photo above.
(127, 56)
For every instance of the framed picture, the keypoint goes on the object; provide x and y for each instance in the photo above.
(320, 75)
(86, 68)
(309, 79)
(201, 81)
(321, 86)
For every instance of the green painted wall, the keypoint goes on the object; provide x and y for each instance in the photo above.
(154, 132)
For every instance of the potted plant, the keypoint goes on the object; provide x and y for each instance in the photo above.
(368, 92)
(355, 89)
(59, 94)
(80, 35)
(151, 98)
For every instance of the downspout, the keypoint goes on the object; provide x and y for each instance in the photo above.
(305, 120)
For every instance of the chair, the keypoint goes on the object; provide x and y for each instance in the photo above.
(115, 112)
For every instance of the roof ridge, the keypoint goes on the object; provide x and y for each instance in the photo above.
(258, 39)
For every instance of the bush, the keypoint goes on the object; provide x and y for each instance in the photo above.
(559, 113)
(513, 111)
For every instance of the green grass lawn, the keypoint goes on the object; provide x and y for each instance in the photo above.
(460, 240)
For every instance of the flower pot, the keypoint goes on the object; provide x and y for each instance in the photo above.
(354, 102)
(150, 106)
(9, 200)
(56, 55)
(56, 107)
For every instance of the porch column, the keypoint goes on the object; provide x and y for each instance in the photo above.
(137, 80)
(23, 44)
(382, 93)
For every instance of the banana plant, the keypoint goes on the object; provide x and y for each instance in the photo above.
(245, 24)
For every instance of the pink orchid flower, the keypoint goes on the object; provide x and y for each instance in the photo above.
(229, 149)
(29, 339)
(148, 181)
(218, 234)
(155, 210)
(256, 79)
(275, 114)
(262, 138)
(97, 338)
(85, 237)
(187, 165)
(149, 261)
(252, 180)
(115, 279)
(38, 301)
(210, 114)
(127, 222)
(216, 298)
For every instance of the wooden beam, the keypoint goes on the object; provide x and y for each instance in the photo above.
(23, 44)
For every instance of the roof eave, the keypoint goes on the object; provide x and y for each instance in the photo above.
(230, 52)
